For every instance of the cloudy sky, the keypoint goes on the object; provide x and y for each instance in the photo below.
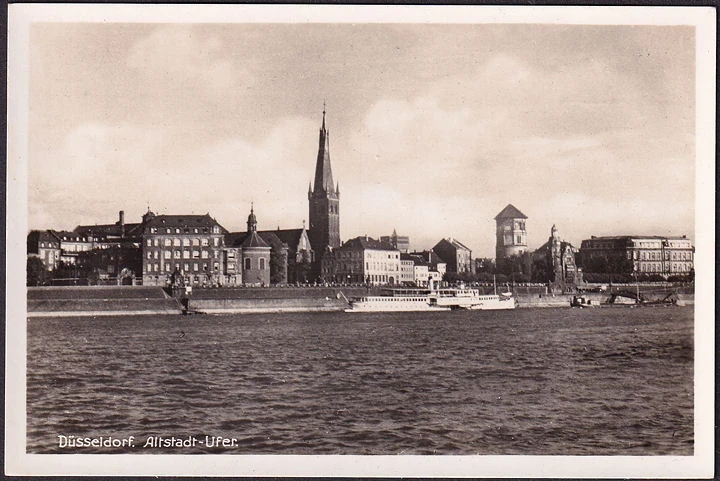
(433, 128)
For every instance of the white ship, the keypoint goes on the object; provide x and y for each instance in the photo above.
(432, 300)
(462, 298)
(397, 300)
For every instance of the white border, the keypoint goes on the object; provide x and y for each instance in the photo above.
(17, 462)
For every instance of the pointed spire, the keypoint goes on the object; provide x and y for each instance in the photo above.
(323, 172)
(323, 124)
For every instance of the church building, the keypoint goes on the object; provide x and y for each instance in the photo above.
(324, 200)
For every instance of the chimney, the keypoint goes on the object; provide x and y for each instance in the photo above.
(122, 223)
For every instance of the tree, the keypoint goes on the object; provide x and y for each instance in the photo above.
(37, 275)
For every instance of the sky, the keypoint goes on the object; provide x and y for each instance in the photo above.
(434, 129)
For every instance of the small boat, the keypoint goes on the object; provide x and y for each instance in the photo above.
(582, 302)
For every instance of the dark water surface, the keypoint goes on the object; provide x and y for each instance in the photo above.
(603, 381)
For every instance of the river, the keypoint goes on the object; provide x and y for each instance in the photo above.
(604, 381)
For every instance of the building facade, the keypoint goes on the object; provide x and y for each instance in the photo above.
(455, 254)
(365, 260)
(187, 248)
(45, 245)
(664, 256)
(511, 234)
(324, 204)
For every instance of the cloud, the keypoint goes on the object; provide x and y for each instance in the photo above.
(95, 170)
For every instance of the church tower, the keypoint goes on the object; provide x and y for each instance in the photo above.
(324, 200)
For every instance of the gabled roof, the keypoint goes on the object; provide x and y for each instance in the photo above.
(454, 243)
(510, 212)
(364, 242)
(291, 237)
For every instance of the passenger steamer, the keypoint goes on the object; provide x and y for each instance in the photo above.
(400, 300)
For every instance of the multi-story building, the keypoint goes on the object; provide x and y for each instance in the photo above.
(399, 242)
(71, 245)
(455, 254)
(45, 245)
(407, 269)
(664, 256)
(511, 234)
(186, 247)
(436, 267)
(324, 203)
(365, 260)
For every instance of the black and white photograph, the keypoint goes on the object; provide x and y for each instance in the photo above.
(400, 241)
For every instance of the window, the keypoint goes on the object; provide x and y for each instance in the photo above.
(247, 263)
(177, 231)
(168, 242)
(149, 242)
(262, 263)
(167, 267)
(186, 254)
(177, 254)
(156, 254)
(204, 254)
(187, 267)
(155, 268)
(195, 230)
(156, 242)
(195, 254)
(195, 266)
(149, 255)
(216, 241)
(519, 240)
(204, 242)
(167, 231)
(176, 242)
(186, 242)
(196, 241)
(167, 254)
(216, 266)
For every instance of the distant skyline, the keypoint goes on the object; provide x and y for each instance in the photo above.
(433, 128)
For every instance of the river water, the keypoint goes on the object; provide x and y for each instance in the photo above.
(605, 381)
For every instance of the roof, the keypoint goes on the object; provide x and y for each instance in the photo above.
(109, 230)
(254, 240)
(364, 243)
(69, 236)
(272, 238)
(626, 237)
(289, 236)
(417, 259)
(190, 220)
(510, 212)
(456, 244)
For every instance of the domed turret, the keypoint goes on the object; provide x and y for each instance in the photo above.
(252, 220)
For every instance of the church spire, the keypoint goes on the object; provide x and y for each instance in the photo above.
(323, 171)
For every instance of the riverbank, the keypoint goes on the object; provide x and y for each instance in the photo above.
(139, 300)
